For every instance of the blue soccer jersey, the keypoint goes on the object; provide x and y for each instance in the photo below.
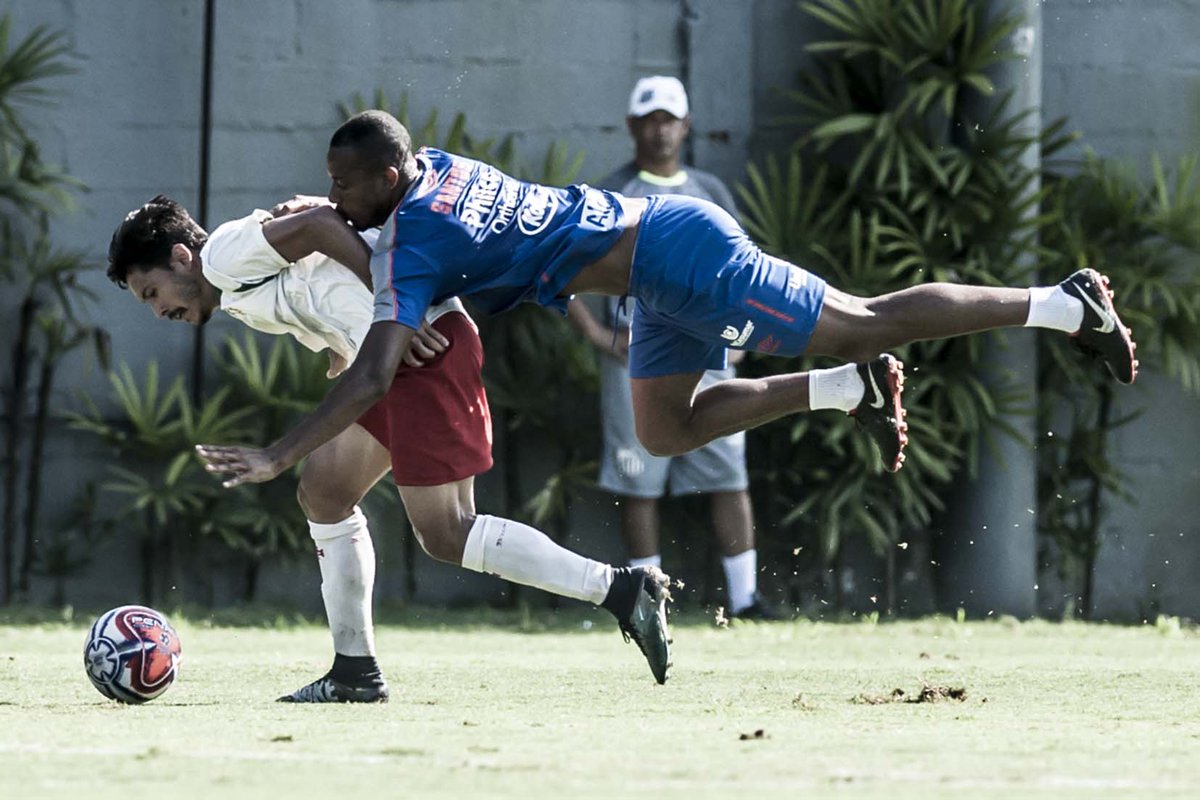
(465, 228)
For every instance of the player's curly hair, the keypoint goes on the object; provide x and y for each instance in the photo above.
(377, 136)
(143, 241)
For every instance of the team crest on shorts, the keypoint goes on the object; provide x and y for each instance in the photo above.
(735, 337)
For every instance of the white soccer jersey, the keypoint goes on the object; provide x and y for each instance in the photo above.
(317, 300)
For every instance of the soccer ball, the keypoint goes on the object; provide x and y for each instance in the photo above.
(131, 654)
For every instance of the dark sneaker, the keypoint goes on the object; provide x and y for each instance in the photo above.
(758, 611)
(638, 599)
(1102, 334)
(880, 414)
(326, 690)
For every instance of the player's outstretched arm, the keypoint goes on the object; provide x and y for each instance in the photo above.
(320, 230)
(363, 385)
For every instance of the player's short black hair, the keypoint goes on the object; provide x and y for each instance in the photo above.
(143, 241)
(376, 136)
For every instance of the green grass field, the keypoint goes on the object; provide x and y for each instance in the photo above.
(543, 707)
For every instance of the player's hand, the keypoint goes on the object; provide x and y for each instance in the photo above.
(426, 345)
(337, 365)
(240, 464)
(618, 349)
(297, 203)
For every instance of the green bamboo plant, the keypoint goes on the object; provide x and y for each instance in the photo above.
(175, 507)
(167, 496)
(1146, 236)
(42, 282)
(909, 189)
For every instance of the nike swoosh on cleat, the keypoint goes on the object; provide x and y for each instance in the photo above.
(1106, 321)
(878, 401)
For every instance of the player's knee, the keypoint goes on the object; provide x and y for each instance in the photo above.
(443, 536)
(318, 503)
(663, 443)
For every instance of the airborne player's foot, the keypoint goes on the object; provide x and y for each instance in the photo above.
(880, 414)
(1102, 334)
(638, 599)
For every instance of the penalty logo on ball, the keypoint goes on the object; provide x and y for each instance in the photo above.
(132, 654)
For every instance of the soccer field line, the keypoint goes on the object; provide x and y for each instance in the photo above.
(213, 755)
(909, 779)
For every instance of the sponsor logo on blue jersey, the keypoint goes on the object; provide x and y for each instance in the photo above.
(598, 210)
(537, 210)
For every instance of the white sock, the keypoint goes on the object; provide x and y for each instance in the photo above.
(741, 578)
(649, 561)
(1051, 307)
(525, 555)
(840, 388)
(347, 558)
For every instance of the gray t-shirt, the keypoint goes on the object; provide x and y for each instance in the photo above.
(632, 182)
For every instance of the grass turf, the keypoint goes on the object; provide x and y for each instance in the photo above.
(541, 706)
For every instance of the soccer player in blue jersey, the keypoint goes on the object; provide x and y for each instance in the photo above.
(455, 226)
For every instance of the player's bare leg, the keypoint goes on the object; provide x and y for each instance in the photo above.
(858, 329)
(332, 482)
(733, 526)
(448, 528)
(672, 418)
(639, 529)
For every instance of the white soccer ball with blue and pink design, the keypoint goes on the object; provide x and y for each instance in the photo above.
(132, 654)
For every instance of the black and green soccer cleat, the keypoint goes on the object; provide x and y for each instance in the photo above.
(638, 599)
(326, 690)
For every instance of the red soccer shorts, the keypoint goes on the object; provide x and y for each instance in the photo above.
(435, 419)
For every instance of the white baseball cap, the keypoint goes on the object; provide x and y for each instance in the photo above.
(658, 93)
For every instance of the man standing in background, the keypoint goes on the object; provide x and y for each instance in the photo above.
(659, 123)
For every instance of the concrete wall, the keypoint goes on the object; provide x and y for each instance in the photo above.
(127, 125)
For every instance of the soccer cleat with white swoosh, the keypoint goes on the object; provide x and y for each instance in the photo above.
(1102, 334)
(880, 413)
(638, 599)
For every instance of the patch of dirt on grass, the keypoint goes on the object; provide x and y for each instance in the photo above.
(928, 694)
(936, 694)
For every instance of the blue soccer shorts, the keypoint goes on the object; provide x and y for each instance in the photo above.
(701, 286)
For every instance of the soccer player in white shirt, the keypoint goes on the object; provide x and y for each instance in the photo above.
(306, 274)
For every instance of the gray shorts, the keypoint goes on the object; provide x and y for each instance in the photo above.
(626, 468)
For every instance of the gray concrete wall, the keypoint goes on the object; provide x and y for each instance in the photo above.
(127, 125)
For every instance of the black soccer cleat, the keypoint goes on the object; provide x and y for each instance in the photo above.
(326, 690)
(758, 611)
(638, 599)
(879, 413)
(1102, 334)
